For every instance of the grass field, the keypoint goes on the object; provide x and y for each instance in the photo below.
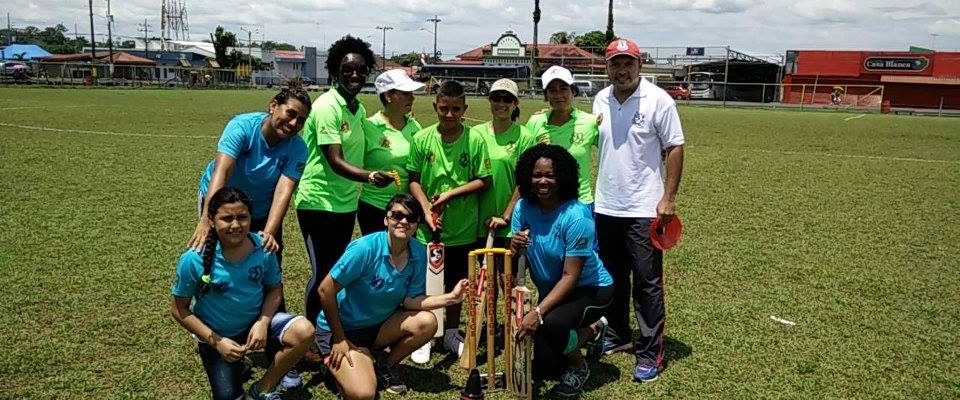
(849, 228)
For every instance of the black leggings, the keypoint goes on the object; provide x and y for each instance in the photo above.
(370, 218)
(582, 307)
(326, 235)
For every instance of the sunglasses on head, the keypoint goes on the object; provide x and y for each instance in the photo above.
(501, 97)
(400, 216)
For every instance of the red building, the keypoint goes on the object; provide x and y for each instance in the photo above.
(867, 78)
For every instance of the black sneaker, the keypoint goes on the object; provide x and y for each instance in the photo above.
(571, 384)
(388, 377)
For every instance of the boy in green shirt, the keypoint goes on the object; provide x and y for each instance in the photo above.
(448, 165)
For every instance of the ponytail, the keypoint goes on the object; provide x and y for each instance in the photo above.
(515, 115)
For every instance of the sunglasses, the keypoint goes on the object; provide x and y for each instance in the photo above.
(400, 217)
(501, 97)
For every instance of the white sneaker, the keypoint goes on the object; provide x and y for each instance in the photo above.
(453, 341)
(422, 355)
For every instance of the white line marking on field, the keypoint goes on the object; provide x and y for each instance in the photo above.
(881, 158)
(782, 321)
(855, 117)
(57, 107)
(108, 133)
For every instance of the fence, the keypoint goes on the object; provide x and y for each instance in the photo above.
(83, 73)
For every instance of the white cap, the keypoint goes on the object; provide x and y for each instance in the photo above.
(395, 79)
(556, 72)
(505, 85)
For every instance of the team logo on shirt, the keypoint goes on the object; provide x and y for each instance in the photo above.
(580, 243)
(283, 162)
(300, 166)
(219, 287)
(639, 120)
(430, 157)
(543, 138)
(510, 148)
(377, 283)
(254, 274)
(578, 138)
(464, 160)
(345, 127)
(385, 143)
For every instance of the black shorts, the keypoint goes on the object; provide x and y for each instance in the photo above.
(362, 337)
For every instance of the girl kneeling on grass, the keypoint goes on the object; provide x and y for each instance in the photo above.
(235, 287)
(374, 298)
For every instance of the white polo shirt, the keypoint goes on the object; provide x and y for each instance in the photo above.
(632, 136)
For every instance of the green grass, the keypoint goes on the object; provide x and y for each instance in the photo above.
(848, 228)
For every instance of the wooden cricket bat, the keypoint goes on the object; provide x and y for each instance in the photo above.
(475, 306)
(521, 356)
(436, 254)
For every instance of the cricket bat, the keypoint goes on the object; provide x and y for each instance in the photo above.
(521, 380)
(475, 309)
(436, 252)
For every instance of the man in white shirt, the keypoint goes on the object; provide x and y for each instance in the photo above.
(639, 127)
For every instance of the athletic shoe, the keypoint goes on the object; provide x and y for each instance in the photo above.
(611, 346)
(422, 355)
(389, 378)
(253, 393)
(571, 384)
(594, 346)
(291, 380)
(645, 373)
(453, 341)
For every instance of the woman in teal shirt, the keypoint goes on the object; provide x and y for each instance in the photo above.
(374, 298)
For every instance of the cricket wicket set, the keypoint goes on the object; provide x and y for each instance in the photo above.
(483, 277)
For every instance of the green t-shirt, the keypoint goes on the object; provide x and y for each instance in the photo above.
(330, 122)
(505, 150)
(387, 150)
(578, 135)
(446, 166)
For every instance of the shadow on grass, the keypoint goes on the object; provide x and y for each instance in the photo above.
(675, 350)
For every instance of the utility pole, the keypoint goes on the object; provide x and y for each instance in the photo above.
(249, 46)
(383, 49)
(110, 36)
(533, 57)
(10, 30)
(145, 28)
(93, 39)
(436, 19)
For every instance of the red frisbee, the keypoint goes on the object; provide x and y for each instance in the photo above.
(665, 235)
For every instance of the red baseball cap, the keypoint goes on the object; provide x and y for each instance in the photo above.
(665, 235)
(625, 47)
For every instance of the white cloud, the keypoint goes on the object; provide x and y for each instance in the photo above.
(946, 27)
(712, 6)
(820, 11)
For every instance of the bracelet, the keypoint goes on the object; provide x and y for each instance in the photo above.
(539, 315)
(370, 177)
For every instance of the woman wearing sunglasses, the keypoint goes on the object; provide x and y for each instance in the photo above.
(506, 140)
(374, 298)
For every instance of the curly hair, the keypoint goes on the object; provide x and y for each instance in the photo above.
(293, 90)
(224, 195)
(564, 166)
(346, 45)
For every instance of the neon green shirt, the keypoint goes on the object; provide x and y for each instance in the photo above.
(331, 122)
(505, 150)
(579, 135)
(446, 166)
(387, 150)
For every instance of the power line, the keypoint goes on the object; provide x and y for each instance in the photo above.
(145, 28)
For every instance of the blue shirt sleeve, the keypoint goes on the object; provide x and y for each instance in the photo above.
(298, 159)
(516, 223)
(187, 277)
(233, 140)
(578, 238)
(351, 264)
(418, 283)
(271, 270)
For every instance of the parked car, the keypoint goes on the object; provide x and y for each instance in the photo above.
(585, 88)
(678, 92)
